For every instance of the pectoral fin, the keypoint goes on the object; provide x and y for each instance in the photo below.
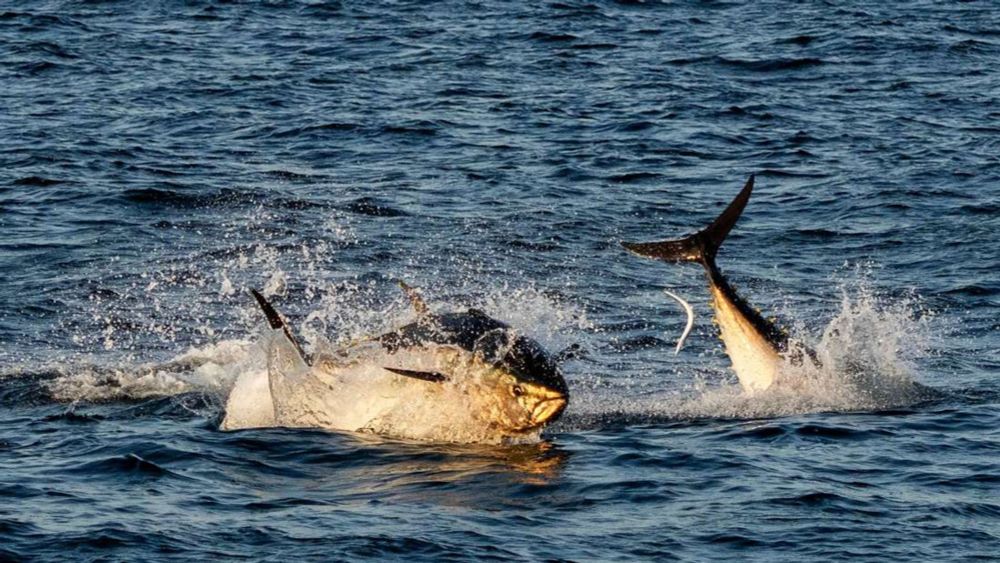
(432, 376)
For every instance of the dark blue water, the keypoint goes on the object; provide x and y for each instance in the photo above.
(158, 158)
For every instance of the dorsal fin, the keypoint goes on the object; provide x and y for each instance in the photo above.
(274, 319)
(419, 305)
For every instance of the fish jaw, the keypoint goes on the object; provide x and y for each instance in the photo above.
(549, 410)
(755, 359)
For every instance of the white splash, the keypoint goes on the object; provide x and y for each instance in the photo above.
(236, 371)
(213, 369)
(865, 360)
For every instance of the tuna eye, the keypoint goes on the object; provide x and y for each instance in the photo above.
(517, 390)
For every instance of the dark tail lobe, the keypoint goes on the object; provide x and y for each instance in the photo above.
(701, 246)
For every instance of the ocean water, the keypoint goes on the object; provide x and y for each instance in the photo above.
(157, 159)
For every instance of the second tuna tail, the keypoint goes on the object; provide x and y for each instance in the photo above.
(701, 246)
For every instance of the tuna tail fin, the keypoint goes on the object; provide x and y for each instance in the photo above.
(701, 246)
(276, 322)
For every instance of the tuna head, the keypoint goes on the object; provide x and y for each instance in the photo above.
(516, 382)
(528, 384)
(517, 387)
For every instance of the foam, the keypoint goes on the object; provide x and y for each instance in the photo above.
(866, 354)
(866, 360)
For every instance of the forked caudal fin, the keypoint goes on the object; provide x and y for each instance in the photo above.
(701, 246)
(754, 344)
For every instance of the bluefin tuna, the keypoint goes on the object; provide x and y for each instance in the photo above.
(755, 345)
(458, 377)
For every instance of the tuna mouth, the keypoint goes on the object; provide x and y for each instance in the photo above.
(549, 410)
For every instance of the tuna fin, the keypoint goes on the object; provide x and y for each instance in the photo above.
(432, 376)
(415, 299)
(274, 319)
(703, 245)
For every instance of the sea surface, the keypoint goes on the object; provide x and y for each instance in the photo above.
(158, 159)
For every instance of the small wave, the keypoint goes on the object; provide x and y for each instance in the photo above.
(533, 245)
(638, 343)
(208, 14)
(291, 175)
(978, 510)
(633, 177)
(74, 417)
(225, 197)
(421, 128)
(36, 181)
(977, 290)
(800, 40)
(43, 22)
(37, 67)
(175, 198)
(463, 91)
(684, 61)
(96, 542)
(571, 173)
(793, 173)
(577, 10)
(991, 209)
(827, 431)
(765, 432)
(733, 540)
(16, 528)
(551, 37)
(972, 46)
(43, 48)
(201, 404)
(773, 65)
(810, 499)
(594, 46)
(373, 208)
(333, 126)
(129, 464)
(634, 126)
(820, 233)
(26, 389)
